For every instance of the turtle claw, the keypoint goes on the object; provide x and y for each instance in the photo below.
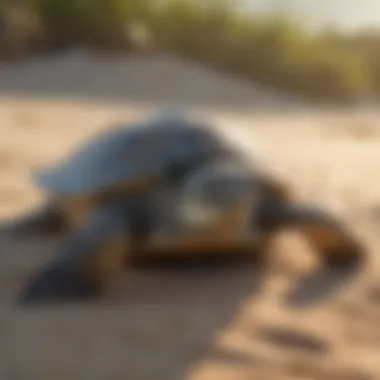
(350, 256)
(56, 286)
(44, 221)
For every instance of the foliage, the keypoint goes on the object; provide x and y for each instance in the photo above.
(271, 49)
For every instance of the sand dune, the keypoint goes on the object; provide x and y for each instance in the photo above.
(157, 80)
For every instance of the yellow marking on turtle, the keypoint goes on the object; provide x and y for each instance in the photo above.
(220, 237)
(323, 237)
(78, 207)
(108, 259)
(330, 242)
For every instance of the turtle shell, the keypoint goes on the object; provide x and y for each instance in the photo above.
(127, 153)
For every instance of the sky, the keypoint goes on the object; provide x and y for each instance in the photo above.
(350, 14)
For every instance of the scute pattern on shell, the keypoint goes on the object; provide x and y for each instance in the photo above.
(128, 152)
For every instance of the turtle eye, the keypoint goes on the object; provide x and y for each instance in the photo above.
(227, 191)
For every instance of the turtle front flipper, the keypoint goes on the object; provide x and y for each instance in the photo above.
(336, 244)
(329, 235)
(332, 239)
(86, 262)
(45, 220)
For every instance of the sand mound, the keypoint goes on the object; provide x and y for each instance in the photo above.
(161, 79)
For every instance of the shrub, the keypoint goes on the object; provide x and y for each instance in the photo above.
(271, 50)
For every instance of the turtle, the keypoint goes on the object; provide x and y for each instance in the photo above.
(169, 186)
(126, 158)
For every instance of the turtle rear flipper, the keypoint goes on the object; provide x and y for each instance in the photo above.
(332, 239)
(85, 263)
(45, 220)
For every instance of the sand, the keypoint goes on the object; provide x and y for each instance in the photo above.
(225, 323)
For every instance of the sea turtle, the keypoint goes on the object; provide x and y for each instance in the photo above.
(127, 158)
(168, 186)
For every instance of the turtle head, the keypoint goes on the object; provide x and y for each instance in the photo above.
(216, 192)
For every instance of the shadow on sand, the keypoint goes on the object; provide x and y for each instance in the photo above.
(162, 318)
(321, 284)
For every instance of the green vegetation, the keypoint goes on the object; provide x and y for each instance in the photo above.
(270, 50)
